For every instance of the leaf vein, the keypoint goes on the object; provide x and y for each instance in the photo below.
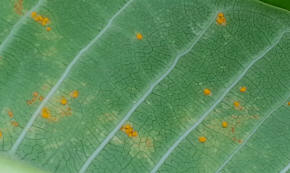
(62, 78)
(204, 115)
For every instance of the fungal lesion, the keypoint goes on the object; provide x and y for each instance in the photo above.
(220, 19)
(42, 20)
(18, 7)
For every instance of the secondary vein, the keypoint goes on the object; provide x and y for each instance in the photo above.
(251, 134)
(141, 100)
(63, 76)
(204, 115)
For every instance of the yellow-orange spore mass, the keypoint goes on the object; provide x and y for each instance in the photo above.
(134, 134)
(139, 36)
(63, 101)
(207, 92)
(10, 113)
(74, 94)
(35, 94)
(45, 113)
(48, 29)
(1, 134)
(202, 139)
(243, 89)
(224, 124)
(237, 104)
(220, 19)
(33, 14)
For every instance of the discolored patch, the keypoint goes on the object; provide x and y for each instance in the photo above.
(14, 123)
(18, 7)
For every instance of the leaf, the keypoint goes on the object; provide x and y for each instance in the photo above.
(280, 3)
(67, 92)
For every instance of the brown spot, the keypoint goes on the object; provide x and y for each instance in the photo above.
(29, 102)
(10, 113)
(233, 130)
(14, 123)
(41, 98)
(240, 141)
(18, 7)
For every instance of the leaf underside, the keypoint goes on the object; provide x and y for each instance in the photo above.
(155, 84)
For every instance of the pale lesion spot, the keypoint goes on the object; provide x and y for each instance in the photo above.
(142, 147)
(18, 7)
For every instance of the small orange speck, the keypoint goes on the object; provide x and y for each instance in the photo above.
(202, 139)
(45, 19)
(207, 92)
(43, 23)
(134, 133)
(74, 94)
(41, 98)
(10, 113)
(127, 126)
(1, 134)
(224, 124)
(221, 20)
(35, 94)
(48, 29)
(288, 103)
(243, 89)
(129, 130)
(45, 113)
(220, 14)
(63, 101)
(14, 123)
(237, 104)
(139, 36)
(33, 14)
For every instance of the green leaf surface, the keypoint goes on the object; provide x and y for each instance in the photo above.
(279, 3)
(155, 84)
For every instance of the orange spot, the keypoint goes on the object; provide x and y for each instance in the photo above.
(134, 134)
(221, 20)
(45, 113)
(46, 19)
(74, 94)
(14, 123)
(233, 130)
(243, 89)
(41, 98)
(10, 113)
(35, 94)
(288, 103)
(202, 139)
(1, 134)
(48, 29)
(33, 14)
(129, 130)
(224, 124)
(207, 92)
(63, 101)
(237, 104)
(139, 36)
